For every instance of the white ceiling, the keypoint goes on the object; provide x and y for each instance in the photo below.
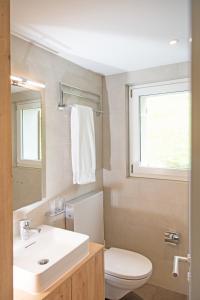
(107, 36)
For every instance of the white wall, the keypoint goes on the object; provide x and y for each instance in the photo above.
(137, 210)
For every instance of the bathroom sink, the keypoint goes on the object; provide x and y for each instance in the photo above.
(45, 256)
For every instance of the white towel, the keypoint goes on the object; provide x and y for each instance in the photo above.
(83, 148)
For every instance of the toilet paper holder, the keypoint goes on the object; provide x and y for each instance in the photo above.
(172, 237)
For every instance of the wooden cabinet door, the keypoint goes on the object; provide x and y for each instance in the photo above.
(6, 254)
(63, 292)
(99, 276)
(83, 282)
(88, 281)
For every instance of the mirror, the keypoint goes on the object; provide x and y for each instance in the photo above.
(26, 146)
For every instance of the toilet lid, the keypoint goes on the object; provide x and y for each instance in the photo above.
(127, 264)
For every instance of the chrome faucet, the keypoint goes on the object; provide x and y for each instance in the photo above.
(25, 229)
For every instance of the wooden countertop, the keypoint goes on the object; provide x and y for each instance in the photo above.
(21, 295)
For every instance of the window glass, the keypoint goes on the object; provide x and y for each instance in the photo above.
(30, 133)
(165, 130)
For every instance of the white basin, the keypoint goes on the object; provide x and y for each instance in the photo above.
(61, 248)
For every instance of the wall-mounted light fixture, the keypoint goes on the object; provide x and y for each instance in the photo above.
(20, 81)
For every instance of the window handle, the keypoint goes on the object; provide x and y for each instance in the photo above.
(131, 168)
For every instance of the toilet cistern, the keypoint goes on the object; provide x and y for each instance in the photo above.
(26, 229)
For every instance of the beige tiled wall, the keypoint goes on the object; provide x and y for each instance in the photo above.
(137, 210)
(37, 64)
(26, 186)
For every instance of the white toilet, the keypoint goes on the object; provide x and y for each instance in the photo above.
(124, 272)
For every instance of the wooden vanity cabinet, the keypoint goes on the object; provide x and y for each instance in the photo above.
(62, 292)
(84, 282)
(88, 281)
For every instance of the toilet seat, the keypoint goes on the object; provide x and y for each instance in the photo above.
(127, 265)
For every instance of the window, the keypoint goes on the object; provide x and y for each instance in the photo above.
(29, 134)
(159, 130)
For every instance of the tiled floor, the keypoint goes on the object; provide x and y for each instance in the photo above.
(150, 292)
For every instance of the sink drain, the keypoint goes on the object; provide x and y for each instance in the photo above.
(43, 261)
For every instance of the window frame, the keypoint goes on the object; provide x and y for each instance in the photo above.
(135, 169)
(20, 161)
